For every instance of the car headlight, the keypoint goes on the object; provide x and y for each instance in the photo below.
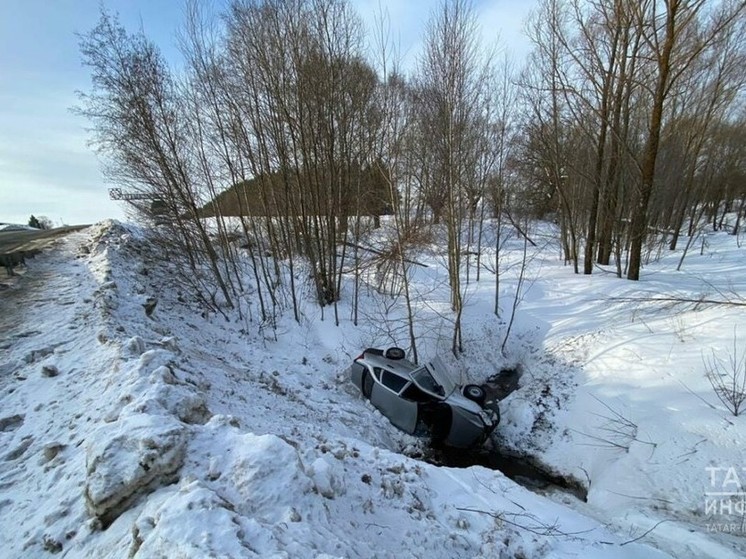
(488, 417)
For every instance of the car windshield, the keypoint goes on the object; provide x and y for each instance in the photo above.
(425, 381)
(442, 375)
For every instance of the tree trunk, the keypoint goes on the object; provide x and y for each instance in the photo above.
(639, 222)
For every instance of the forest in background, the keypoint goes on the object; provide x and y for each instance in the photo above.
(625, 125)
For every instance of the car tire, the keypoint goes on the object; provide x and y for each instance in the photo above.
(475, 393)
(367, 384)
(395, 353)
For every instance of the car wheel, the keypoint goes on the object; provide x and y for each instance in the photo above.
(395, 353)
(475, 393)
(367, 384)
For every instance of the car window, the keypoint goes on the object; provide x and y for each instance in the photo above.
(426, 382)
(392, 381)
(416, 395)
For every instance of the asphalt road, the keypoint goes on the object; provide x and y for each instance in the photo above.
(28, 240)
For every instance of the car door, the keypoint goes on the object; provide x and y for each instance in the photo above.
(386, 396)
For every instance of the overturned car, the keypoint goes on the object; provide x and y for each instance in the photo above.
(424, 399)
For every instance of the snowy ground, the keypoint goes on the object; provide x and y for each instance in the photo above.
(181, 436)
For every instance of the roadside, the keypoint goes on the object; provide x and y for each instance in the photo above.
(17, 245)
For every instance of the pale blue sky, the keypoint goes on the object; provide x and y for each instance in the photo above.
(46, 167)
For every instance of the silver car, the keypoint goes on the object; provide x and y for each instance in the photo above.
(424, 399)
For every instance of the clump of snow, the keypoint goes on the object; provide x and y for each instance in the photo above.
(129, 458)
(191, 521)
(50, 370)
(327, 478)
(134, 347)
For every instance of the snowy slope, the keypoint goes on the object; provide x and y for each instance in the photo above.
(177, 435)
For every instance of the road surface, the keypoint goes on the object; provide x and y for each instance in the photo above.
(15, 245)
(29, 239)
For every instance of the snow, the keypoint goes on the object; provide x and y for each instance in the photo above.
(181, 435)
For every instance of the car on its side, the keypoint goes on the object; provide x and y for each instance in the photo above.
(425, 399)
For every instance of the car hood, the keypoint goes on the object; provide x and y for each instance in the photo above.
(458, 399)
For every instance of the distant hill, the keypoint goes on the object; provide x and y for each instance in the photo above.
(274, 194)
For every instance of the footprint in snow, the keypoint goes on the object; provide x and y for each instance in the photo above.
(20, 450)
(11, 423)
(37, 354)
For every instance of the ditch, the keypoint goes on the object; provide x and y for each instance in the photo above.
(523, 469)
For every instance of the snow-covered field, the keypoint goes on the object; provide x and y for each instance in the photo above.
(178, 435)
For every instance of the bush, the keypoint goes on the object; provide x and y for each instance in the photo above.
(41, 222)
(728, 378)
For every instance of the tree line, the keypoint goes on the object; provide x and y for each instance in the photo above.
(636, 109)
(626, 125)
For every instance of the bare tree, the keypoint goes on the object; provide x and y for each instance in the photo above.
(676, 36)
(137, 110)
(608, 83)
(455, 113)
(394, 103)
(547, 126)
